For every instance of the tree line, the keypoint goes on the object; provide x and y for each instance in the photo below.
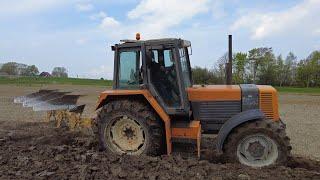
(262, 66)
(18, 69)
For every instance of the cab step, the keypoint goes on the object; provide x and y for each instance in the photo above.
(189, 131)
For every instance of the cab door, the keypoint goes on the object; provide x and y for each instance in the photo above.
(127, 65)
(165, 79)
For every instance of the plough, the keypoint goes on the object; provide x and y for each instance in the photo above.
(61, 107)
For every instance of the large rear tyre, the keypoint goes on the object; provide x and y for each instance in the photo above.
(130, 127)
(257, 144)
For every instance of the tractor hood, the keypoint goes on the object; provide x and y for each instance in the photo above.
(214, 93)
(248, 96)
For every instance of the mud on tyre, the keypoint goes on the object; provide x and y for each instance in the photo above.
(258, 143)
(130, 127)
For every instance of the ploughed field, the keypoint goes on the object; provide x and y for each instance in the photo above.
(33, 149)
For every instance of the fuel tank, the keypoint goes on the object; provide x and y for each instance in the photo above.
(213, 105)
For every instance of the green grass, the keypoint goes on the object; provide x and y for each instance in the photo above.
(298, 90)
(29, 81)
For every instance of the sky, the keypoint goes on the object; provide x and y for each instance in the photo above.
(77, 34)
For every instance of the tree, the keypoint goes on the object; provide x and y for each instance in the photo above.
(281, 71)
(240, 61)
(314, 60)
(31, 71)
(304, 73)
(266, 70)
(220, 68)
(256, 57)
(308, 70)
(202, 76)
(291, 69)
(9, 68)
(59, 72)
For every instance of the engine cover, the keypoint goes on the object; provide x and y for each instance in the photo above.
(213, 105)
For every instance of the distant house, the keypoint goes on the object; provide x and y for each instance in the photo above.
(45, 74)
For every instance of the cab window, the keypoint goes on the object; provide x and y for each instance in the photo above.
(185, 67)
(168, 57)
(129, 69)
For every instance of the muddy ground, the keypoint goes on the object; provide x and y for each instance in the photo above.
(32, 149)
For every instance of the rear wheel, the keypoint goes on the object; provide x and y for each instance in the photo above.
(258, 144)
(129, 127)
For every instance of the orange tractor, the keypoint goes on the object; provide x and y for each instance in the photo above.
(154, 103)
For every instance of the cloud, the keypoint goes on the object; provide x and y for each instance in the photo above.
(152, 18)
(100, 15)
(301, 17)
(9, 8)
(108, 25)
(109, 22)
(218, 9)
(157, 16)
(84, 7)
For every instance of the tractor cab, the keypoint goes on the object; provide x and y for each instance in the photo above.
(161, 65)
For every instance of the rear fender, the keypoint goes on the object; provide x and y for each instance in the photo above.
(235, 121)
(108, 94)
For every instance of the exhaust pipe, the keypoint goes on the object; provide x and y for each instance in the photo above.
(229, 63)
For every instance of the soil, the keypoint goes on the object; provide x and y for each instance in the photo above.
(301, 114)
(33, 149)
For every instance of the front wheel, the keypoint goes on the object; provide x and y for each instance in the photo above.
(258, 144)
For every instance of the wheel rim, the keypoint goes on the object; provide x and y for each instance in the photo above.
(126, 135)
(257, 150)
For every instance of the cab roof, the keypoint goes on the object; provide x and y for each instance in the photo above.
(162, 41)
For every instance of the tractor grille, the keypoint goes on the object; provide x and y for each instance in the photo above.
(266, 104)
(213, 114)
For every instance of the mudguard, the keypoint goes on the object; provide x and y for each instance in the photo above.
(245, 116)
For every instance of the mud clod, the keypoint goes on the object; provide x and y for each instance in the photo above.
(45, 173)
(243, 177)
